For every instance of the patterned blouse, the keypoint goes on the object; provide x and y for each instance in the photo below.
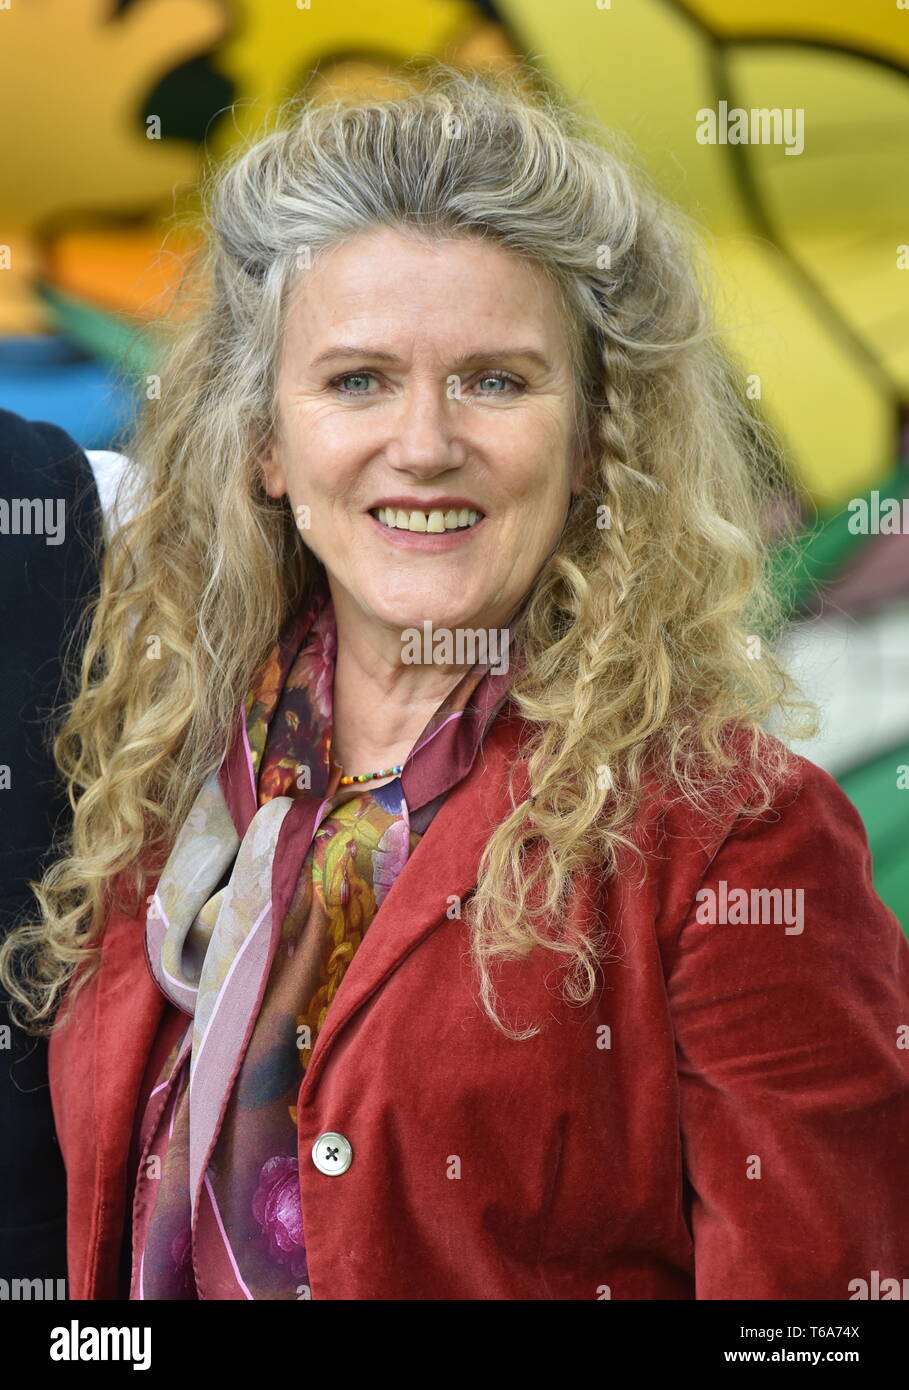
(253, 1245)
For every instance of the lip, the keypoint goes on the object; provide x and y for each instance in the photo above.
(426, 504)
(424, 540)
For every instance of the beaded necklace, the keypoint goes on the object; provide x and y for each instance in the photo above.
(369, 776)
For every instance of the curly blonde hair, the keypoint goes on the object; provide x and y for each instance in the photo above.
(635, 637)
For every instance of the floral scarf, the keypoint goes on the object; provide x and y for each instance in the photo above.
(271, 884)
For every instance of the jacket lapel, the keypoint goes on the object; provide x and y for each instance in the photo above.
(444, 863)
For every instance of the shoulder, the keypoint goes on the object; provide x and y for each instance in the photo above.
(37, 457)
(50, 521)
(35, 454)
(785, 899)
(21, 438)
(800, 797)
(810, 826)
(808, 839)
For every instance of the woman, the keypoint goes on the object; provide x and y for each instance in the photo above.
(418, 976)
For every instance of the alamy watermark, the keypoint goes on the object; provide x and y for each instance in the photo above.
(758, 125)
(32, 1290)
(744, 907)
(878, 516)
(877, 1288)
(78, 1343)
(461, 646)
(34, 516)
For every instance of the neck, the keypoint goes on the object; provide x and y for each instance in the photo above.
(380, 703)
(379, 711)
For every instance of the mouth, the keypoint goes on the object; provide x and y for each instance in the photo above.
(432, 532)
(428, 523)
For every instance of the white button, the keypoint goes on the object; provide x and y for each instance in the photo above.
(332, 1154)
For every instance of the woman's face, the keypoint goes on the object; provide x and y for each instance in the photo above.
(425, 378)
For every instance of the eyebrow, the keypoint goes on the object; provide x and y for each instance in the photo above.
(493, 355)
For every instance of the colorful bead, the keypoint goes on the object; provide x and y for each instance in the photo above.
(368, 776)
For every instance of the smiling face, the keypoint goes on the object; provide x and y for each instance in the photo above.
(423, 382)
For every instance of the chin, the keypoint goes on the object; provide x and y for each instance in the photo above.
(417, 611)
(414, 611)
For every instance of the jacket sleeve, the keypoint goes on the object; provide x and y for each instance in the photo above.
(791, 1030)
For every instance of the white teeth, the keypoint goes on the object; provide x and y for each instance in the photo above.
(434, 521)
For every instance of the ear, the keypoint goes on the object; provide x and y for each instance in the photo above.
(273, 479)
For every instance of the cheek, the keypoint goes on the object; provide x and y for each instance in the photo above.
(336, 453)
(537, 441)
(347, 427)
(312, 427)
(317, 458)
(536, 476)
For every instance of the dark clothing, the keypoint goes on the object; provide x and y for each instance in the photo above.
(49, 562)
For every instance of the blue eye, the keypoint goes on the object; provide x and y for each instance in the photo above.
(503, 379)
(352, 376)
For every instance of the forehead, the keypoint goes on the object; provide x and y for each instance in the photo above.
(449, 290)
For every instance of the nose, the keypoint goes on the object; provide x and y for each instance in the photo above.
(424, 439)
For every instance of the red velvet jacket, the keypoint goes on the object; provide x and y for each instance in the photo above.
(728, 1118)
